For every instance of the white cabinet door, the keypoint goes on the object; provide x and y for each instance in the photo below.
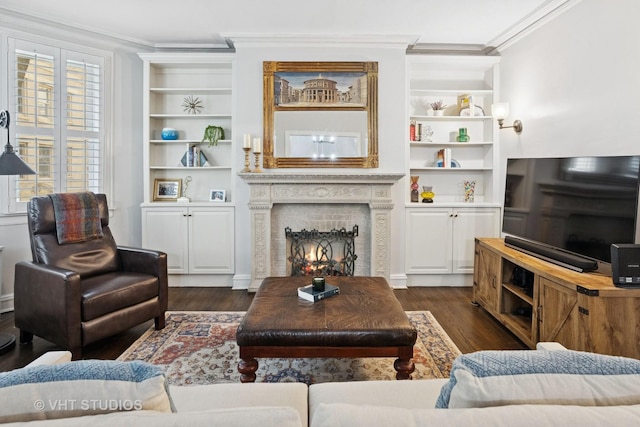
(429, 237)
(211, 247)
(467, 225)
(165, 229)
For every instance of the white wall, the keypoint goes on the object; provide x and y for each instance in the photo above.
(574, 83)
(391, 128)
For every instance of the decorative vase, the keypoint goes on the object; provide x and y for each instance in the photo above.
(462, 135)
(469, 191)
(438, 113)
(414, 188)
(169, 134)
(427, 194)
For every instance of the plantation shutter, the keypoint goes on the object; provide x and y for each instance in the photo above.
(57, 111)
(83, 125)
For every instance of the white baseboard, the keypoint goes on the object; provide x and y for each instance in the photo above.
(6, 303)
(201, 280)
(398, 281)
(452, 280)
(241, 282)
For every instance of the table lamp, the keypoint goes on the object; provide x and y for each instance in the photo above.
(10, 164)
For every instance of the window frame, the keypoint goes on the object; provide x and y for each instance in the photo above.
(62, 51)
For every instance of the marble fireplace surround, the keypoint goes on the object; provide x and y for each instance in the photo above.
(267, 189)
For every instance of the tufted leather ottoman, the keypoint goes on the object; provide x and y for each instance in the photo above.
(364, 320)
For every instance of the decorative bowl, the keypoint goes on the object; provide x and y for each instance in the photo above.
(169, 134)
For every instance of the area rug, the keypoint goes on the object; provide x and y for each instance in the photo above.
(199, 347)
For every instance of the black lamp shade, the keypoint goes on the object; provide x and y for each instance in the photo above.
(11, 164)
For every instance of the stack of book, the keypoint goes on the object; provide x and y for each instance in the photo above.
(307, 292)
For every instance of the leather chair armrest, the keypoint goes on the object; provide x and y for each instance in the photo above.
(143, 260)
(48, 302)
(150, 262)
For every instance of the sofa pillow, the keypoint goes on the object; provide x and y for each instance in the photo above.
(80, 388)
(495, 378)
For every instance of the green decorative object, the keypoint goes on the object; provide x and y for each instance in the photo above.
(462, 135)
(213, 134)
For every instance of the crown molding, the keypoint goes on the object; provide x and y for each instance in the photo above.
(35, 24)
(536, 19)
(392, 41)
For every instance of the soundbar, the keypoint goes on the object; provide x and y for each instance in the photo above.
(553, 255)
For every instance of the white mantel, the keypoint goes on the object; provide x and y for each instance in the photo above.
(267, 189)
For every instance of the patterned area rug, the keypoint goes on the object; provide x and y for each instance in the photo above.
(199, 347)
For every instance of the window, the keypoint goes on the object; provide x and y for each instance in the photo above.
(57, 104)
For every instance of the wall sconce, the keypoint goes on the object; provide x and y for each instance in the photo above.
(500, 111)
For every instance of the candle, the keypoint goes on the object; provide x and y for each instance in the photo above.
(257, 145)
(247, 140)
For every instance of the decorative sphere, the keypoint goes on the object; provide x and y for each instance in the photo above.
(169, 134)
(414, 186)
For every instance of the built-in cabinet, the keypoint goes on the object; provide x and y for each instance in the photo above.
(197, 239)
(582, 311)
(197, 232)
(441, 240)
(440, 235)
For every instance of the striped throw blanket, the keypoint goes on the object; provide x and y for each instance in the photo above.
(77, 217)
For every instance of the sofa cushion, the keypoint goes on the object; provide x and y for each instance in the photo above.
(81, 388)
(236, 395)
(339, 415)
(239, 417)
(415, 394)
(494, 378)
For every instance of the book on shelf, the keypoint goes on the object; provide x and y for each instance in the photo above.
(194, 157)
(444, 158)
(307, 292)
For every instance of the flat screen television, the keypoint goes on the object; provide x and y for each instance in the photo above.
(570, 210)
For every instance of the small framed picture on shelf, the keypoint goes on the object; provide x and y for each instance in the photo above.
(217, 195)
(166, 189)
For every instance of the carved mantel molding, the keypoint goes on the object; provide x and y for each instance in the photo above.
(267, 189)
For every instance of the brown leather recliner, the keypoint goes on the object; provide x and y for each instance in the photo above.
(74, 294)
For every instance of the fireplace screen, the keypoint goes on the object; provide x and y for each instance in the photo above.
(322, 253)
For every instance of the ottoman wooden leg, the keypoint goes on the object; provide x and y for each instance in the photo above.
(247, 369)
(404, 368)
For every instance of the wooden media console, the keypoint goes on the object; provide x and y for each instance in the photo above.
(582, 311)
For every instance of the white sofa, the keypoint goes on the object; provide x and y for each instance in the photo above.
(370, 403)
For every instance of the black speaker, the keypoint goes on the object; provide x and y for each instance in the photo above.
(625, 264)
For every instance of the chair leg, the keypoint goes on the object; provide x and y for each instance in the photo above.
(160, 322)
(25, 337)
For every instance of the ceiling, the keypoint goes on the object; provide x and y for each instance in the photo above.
(465, 24)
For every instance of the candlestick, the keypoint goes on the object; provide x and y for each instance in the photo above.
(257, 162)
(247, 141)
(247, 163)
(257, 145)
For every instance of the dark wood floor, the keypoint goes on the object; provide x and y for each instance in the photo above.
(470, 327)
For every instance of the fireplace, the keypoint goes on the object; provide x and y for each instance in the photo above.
(321, 253)
(313, 201)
